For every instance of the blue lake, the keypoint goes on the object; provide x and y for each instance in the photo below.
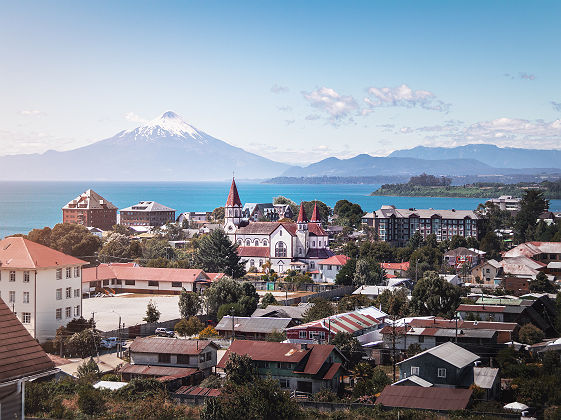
(28, 205)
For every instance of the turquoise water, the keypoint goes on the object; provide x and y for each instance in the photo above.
(28, 205)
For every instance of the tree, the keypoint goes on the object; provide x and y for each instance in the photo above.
(323, 210)
(433, 295)
(533, 204)
(228, 291)
(416, 240)
(188, 327)
(79, 324)
(74, 240)
(118, 247)
(542, 284)
(267, 300)
(173, 232)
(233, 309)
(530, 334)
(216, 254)
(368, 272)
(276, 336)
(491, 244)
(321, 308)
(423, 259)
(157, 248)
(190, 303)
(348, 214)
(249, 299)
(217, 215)
(458, 241)
(152, 313)
(349, 346)
(208, 332)
(40, 236)
(393, 302)
(83, 344)
(370, 381)
(346, 275)
(90, 400)
(353, 302)
(88, 368)
(240, 369)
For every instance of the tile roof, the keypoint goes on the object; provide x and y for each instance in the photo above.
(20, 354)
(260, 325)
(149, 370)
(424, 398)
(233, 196)
(169, 345)
(335, 260)
(449, 352)
(395, 266)
(111, 271)
(254, 251)
(147, 206)
(89, 200)
(18, 252)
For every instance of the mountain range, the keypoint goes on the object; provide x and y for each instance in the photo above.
(165, 149)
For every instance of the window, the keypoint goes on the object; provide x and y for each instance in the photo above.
(260, 263)
(265, 243)
(68, 292)
(106, 282)
(58, 294)
(441, 373)
(12, 296)
(164, 358)
(175, 284)
(313, 244)
(280, 232)
(68, 272)
(58, 314)
(68, 312)
(280, 250)
(208, 356)
(76, 292)
(302, 334)
(26, 317)
(284, 383)
(152, 283)
(330, 267)
(252, 263)
(182, 359)
(12, 276)
(59, 273)
(201, 358)
(129, 282)
(421, 339)
(25, 297)
(248, 243)
(312, 264)
(76, 271)
(26, 276)
(414, 370)
(77, 310)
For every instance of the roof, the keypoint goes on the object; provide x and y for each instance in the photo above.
(316, 229)
(294, 312)
(480, 308)
(335, 260)
(319, 253)
(169, 345)
(111, 271)
(415, 379)
(88, 200)
(261, 325)
(302, 218)
(315, 213)
(395, 266)
(461, 251)
(233, 196)
(349, 322)
(197, 390)
(316, 354)
(111, 385)
(388, 211)
(464, 325)
(424, 398)
(147, 206)
(529, 249)
(167, 371)
(265, 228)
(215, 276)
(254, 251)
(18, 252)
(449, 352)
(374, 290)
(484, 377)
(20, 354)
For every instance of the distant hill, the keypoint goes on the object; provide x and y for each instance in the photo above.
(366, 165)
(165, 149)
(498, 157)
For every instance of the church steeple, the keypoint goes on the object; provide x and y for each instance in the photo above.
(302, 218)
(232, 210)
(315, 214)
(233, 196)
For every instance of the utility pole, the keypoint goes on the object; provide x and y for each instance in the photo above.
(416, 271)
(119, 344)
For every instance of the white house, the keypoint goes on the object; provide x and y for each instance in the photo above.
(329, 268)
(41, 285)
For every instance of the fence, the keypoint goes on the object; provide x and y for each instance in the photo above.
(325, 294)
(144, 330)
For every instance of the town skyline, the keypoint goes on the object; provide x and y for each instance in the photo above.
(293, 83)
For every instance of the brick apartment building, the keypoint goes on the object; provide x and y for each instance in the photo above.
(91, 210)
(398, 225)
(147, 213)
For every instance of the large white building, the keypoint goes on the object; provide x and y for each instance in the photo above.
(285, 245)
(40, 285)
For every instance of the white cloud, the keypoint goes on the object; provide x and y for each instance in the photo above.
(32, 112)
(12, 142)
(279, 89)
(338, 107)
(299, 156)
(131, 116)
(527, 76)
(404, 96)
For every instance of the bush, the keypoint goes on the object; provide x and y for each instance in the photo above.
(208, 332)
(140, 389)
(88, 368)
(530, 334)
(90, 400)
(190, 326)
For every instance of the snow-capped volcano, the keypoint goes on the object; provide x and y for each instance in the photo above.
(164, 149)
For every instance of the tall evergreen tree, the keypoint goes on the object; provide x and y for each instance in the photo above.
(533, 204)
(216, 254)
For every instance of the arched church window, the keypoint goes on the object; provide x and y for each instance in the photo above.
(248, 242)
(252, 263)
(265, 243)
(280, 250)
(239, 242)
(313, 244)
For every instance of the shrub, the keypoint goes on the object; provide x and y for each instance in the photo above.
(90, 400)
(191, 326)
(208, 332)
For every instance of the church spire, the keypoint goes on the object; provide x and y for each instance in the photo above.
(302, 218)
(233, 197)
(315, 215)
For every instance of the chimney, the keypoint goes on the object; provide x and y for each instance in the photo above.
(304, 346)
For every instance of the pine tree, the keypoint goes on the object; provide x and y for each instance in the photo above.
(216, 254)
(152, 313)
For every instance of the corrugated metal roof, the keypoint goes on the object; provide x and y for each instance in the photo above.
(295, 312)
(430, 398)
(484, 377)
(415, 379)
(169, 345)
(451, 353)
(150, 370)
(195, 390)
(262, 325)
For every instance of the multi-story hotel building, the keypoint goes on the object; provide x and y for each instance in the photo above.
(398, 225)
(146, 213)
(91, 210)
(42, 286)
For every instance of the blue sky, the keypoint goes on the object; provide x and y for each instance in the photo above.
(293, 81)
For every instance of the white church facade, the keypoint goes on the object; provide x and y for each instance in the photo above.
(286, 245)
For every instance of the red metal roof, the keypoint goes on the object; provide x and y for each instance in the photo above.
(150, 370)
(302, 214)
(433, 398)
(18, 252)
(465, 325)
(335, 260)
(396, 266)
(169, 345)
(332, 371)
(110, 271)
(195, 390)
(20, 354)
(254, 251)
(233, 196)
(480, 308)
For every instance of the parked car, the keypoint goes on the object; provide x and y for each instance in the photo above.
(109, 342)
(164, 332)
